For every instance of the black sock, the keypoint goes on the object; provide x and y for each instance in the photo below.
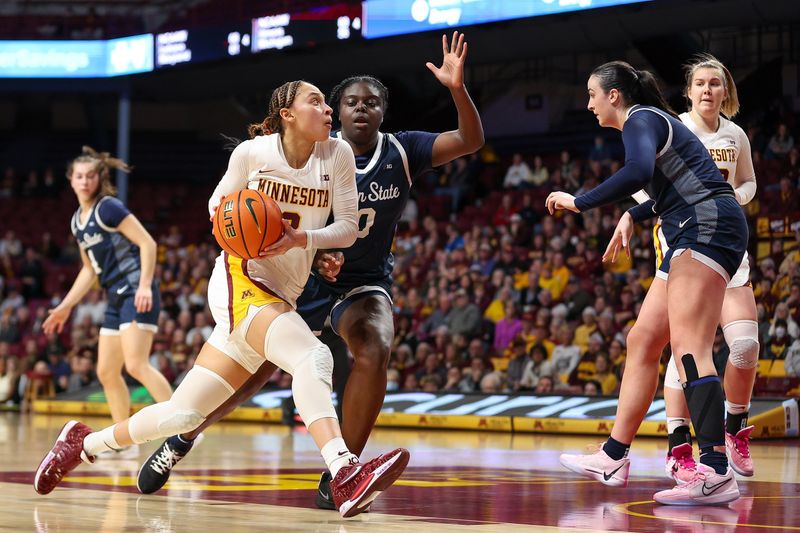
(180, 445)
(736, 422)
(616, 449)
(716, 460)
(680, 436)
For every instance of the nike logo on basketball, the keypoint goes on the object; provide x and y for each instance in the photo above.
(682, 224)
(249, 203)
(708, 490)
(122, 289)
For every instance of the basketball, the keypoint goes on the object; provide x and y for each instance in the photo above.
(246, 222)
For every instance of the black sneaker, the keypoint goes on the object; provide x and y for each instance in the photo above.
(155, 471)
(324, 494)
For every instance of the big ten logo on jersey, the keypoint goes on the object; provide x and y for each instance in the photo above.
(227, 219)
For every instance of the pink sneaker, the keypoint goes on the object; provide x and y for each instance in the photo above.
(599, 466)
(66, 454)
(356, 486)
(738, 449)
(680, 465)
(707, 488)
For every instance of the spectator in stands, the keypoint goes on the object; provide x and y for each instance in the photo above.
(782, 316)
(545, 385)
(392, 380)
(492, 383)
(10, 245)
(438, 317)
(585, 330)
(7, 186)
(473, 376)
(8, 328)
(792, 362)
(82, 372)
(8, 380)
(59, 370)
(518, 174)
(201, 328)
(537, 366)
(518, 364)
(465, 317)
(600, 153)
(50, 185)
(93, 306)
(508, 328)
(780, 144)
(786, 200)
(410, 383)
(48, 249)
(453, 380)
(502, 217)
(539, 174)
(30, 188)
(604, 375)
(592, 388)
(779, 342)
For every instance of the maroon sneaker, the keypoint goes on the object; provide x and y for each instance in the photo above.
(356, 486)
(67, 453)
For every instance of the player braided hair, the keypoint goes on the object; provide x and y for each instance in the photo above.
(103, 163)
(636, 86)
(730, 105)
(336, 92)
(282, 97)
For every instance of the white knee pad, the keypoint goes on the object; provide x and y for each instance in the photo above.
(292, 346)
(672, 379)
(199, 394)
(742, 339)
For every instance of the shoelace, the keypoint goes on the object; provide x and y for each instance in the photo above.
(741, 444)
(165, 460)
(686, 462)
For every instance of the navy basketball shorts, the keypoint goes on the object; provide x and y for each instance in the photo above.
(321, 301)
(121, 309)
(714, 230)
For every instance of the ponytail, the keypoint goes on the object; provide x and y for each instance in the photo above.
(103, 162)
(635, 86)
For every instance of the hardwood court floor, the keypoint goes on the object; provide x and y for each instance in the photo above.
(247, 477)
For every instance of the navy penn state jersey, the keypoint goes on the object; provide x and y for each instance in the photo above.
(383, 178)
(684, 173)
(113, 257)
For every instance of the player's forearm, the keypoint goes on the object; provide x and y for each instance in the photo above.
(470, 128)
(147, 256)
(83, 282)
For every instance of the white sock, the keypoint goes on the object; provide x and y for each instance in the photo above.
(674, 422)
(100, 441)
(736, 408)
(336, 455)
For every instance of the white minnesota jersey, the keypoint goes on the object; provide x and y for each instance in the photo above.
(307, 197)
(729, 147)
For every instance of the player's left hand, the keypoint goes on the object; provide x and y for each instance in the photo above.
(143, 301)
(329, 264)
(560, 200)
(292, 238)
(451, 73)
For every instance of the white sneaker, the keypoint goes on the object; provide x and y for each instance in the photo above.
(707, 488)
(599, 466)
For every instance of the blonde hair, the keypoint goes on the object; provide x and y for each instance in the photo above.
(103, 163)
(282, 97)
(730, 105)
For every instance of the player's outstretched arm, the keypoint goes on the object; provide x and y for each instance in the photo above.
(58, 316)
(468, 138)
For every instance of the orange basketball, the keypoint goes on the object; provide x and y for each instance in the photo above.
(246, 222)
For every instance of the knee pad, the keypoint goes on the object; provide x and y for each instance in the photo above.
(672, 379)
(742, 339)
(199, 394)
(312, 383)
(179, 421)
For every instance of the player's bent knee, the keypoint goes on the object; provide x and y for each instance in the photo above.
(742, 339)
(320, 361)
(180, 421)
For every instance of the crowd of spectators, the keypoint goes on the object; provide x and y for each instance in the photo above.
(493, 295)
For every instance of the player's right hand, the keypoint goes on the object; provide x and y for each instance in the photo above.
(55, 320)
(329, 264)
(620, 239)
(214, 209)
